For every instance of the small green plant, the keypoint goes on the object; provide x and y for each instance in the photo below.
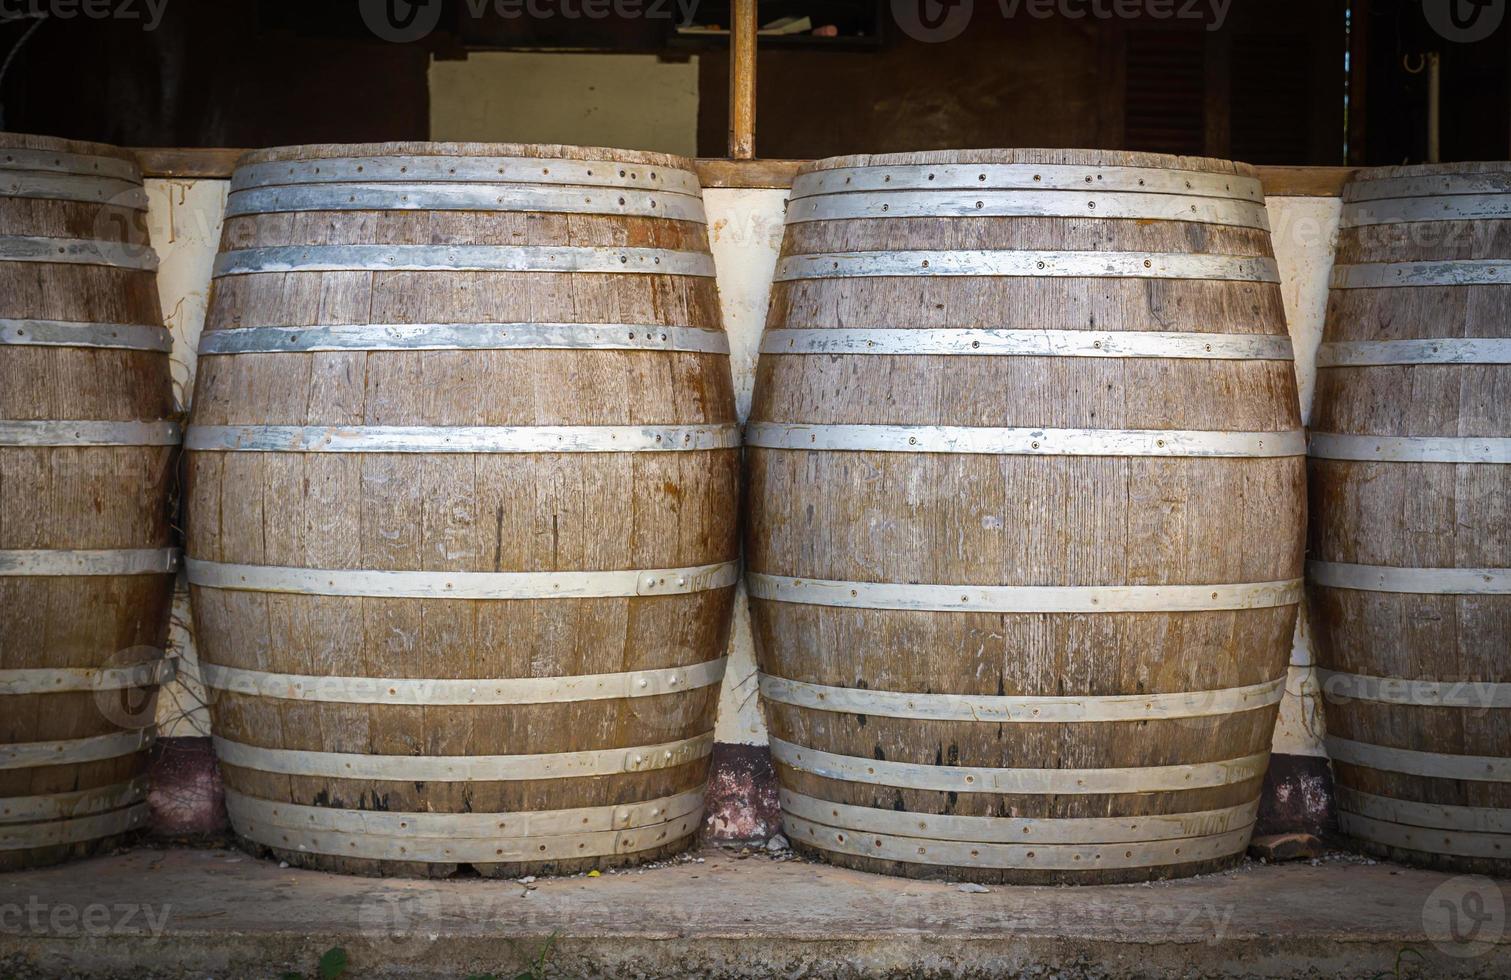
(535, 966)
(332, 966)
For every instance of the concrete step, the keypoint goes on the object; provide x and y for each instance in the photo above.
(217, 913)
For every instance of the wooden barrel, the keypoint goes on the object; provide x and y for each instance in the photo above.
(86, 473)
(1410, 577)
(463, 479)
(1026, 513)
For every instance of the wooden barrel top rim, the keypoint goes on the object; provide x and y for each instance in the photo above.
(1029, 177)
(475, 197)
(1043, 156)
(25, 146)
(312, 152)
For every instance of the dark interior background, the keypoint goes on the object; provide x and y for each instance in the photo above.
(1314, 82)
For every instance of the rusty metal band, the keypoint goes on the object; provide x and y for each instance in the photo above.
(1025, 857)
(465, 169)
(1018, 710)
(1020, 830)
(1023, 441)
(1123, 205)
(1027, 176)
(480, 691)
(48, 563)
(75, 164)
(913, 597)
(1437, 185)
(61, 680)
(470, 825)
(15, 837)
(1456, 272)
(1341, 688)
(1412, 581)
(27, 755)
(1439, 816)
(1437, 765)
(461, 439)
(465, 768)
(462, 585)
(1459, 843)
(1028, 264)
(1439, 207)
(128, 194)
(1409, 449)
(462, 258)
(1448, 350)
(971, 779)
(77, 251)
(71, 333)
(1031, 343)
(464, 336)
(66, 806)
(55, 433)
(473, 197)
(478, 851)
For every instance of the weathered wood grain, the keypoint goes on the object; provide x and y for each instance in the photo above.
(1417, 515)
(70, 498)
(1026, 520)
(463, 512)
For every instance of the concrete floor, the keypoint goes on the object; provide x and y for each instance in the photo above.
(218, 913)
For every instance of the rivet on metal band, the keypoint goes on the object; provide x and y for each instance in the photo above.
(1025, 857)
(1459, 843)
(480, 850)
(69, 333)
(66, 806)
(1340, 688)
(68, 432)
(1452, 350)
(1474, 819)
(1441, 184)
(26, 755)
(1457, 272)
(1412, 581)
(1030, 343)
(461, 439)
(1021, 830)
(970, 779)
(462, 258)
(15, 837)
(1438, 765)
(1024, 598)
(48, 563)
(465, 169)
(1442, 207)
(473, 824)
(1026, 176)
(1018, 710)
(1030, 203)
(1409, 449)
(492, 197)
(72, 187)
(462, 585)
(464, 336)
(57, 680)
(1030, 264)
(480, 691)
(77, 251)
(465, 768)
(76, 164)
(958, 439)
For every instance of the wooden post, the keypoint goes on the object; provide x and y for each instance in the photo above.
(742, 79)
